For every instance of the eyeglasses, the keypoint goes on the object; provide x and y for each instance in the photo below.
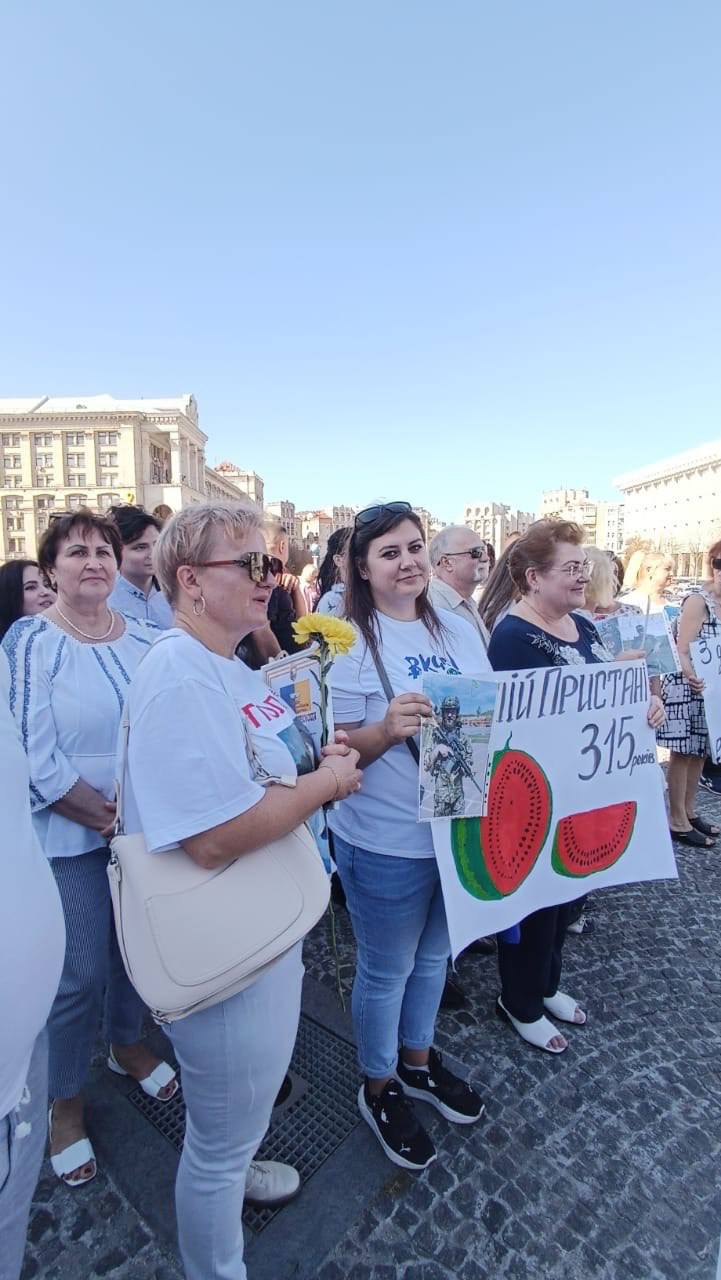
(259, 566)
(576, 569)
(716, 563)
(370, 514)
(476, 553)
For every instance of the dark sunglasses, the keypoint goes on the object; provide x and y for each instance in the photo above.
(369, 515)
(716, 563)
(476, 553)
(257, 564)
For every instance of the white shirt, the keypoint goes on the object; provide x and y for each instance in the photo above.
(67, 698)
(188, 759)
(332, 601)
(444, 596)
(32, 930)
(134, 603)
(383, 816)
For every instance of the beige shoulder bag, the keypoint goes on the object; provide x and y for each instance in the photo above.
(190, 938)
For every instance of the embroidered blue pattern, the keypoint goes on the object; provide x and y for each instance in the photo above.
(110, 676)
(10, 644)
(58, 658)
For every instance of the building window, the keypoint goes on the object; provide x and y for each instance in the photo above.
(42, 481)
(108, 478)
(13, 462)
(44, 460)
(107, 437)
(12, 504)
(16, 546)
(108, 459)
(77, 481)
(76, 500)
(15, 522)
(43, 440)
(11, 440)
(76, 459)
(74, 438)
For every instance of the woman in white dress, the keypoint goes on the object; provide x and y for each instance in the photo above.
(70, 668)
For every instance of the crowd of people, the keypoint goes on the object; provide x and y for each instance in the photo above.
(167, 628)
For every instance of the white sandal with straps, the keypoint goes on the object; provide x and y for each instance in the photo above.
(564, 1007)
(76, 1156)
(537, 1033)
(158, 1079)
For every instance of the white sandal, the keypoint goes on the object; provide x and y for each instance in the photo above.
(564, 1007)
(71, 1158)
(158, 1079)
(537, 1033)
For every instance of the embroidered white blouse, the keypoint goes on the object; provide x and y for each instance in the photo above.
(67, 698)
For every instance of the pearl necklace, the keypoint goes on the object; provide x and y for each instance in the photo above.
(85, 634)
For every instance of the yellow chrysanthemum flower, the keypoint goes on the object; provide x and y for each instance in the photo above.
(337, 636)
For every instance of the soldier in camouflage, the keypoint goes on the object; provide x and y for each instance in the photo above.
(445, 759)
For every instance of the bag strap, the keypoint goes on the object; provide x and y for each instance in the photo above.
(390, 695)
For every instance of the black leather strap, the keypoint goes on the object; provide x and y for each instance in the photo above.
(388, 691)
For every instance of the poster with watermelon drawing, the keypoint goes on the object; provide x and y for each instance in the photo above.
(574, 799)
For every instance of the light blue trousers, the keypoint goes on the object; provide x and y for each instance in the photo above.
(22, 1142)
(233, 1058)
(93, 968)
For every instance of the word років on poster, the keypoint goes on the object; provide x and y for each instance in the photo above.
(574, 799)
(706, 658)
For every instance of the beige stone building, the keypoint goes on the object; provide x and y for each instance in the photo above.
(249, 483)
(675, 504)
(495, 521)
(571, 504)
(60, 452)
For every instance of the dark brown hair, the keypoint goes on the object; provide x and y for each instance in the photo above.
(358, 603)
(537, 547)
(12, 583)
(61, 526)
(499, 592)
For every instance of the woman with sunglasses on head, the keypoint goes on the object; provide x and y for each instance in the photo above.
(385, 857)
(23, 592)
(685, 732)
(232, 754)
(545, 628)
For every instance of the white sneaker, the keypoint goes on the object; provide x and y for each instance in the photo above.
(270, 1184)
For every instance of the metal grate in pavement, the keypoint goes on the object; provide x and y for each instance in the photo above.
(318, 1117)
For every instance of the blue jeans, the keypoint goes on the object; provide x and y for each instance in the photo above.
(399, 922)
(22, 1143)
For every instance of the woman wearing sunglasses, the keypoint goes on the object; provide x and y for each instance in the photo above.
(685, 731)
(385, 857)
(231, 758)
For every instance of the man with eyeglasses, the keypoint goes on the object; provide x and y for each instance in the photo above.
(460, 564)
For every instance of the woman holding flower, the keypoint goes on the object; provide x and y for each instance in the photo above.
(385, 857)
(231, 754)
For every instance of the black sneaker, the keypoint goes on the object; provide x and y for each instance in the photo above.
(450, 1095)
(392, 1119)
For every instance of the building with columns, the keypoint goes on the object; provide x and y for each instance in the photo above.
(61, 452)
(249, 483)
(495, 521)
(675, 505)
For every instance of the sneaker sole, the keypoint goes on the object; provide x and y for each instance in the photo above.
(392, 1155)
(455, 1117)
(272, 1204)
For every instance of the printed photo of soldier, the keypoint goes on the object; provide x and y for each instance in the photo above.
(454, 746)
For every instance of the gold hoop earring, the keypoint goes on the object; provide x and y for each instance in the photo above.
(199, 611)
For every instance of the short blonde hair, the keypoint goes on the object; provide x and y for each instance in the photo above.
(602, 587)
(188, 537)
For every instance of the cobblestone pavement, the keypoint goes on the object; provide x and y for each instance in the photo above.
(602, 1164)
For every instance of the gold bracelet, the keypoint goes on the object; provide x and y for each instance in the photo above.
(324, 765)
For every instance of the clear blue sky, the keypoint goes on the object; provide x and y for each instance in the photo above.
(420, 249)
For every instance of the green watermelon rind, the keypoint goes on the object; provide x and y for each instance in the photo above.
(471, 870)
(542, 841)
(562, 869)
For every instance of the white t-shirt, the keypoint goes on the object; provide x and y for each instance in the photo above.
(188, 757)
(32, 930)
(383, 816)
